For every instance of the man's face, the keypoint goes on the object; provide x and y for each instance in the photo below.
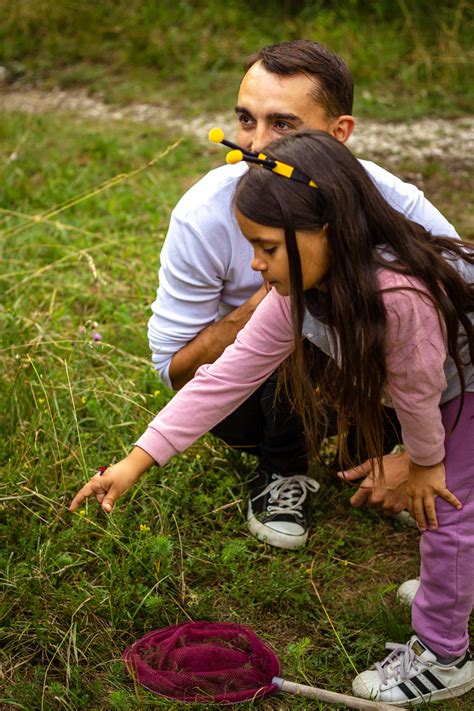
(270, 106)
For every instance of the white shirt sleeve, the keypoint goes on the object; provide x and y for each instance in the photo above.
(189, 293)
(205, 267)
(409, 200)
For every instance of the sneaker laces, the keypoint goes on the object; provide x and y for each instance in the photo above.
(288, 493)
(399, 663)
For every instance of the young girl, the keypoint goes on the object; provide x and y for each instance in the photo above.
(392, 306)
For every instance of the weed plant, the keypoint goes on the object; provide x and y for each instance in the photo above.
(84, 211)
(406, 58)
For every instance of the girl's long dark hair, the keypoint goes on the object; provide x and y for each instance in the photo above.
(358, 221)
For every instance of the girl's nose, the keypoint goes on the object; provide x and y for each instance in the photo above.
(258, 264)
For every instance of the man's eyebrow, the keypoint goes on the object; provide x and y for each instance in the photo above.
(273, 116)
(242, 110)
(279, 116)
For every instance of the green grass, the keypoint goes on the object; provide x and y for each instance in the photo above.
(80, 588)
(406, 59)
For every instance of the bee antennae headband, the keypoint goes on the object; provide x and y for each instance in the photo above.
(216, 135)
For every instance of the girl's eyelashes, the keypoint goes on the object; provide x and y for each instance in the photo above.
(268, 250)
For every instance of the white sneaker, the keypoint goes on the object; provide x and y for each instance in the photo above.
(405, 518)
(407, 591)
(411, 675)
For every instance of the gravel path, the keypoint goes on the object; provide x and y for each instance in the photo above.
(448, 141)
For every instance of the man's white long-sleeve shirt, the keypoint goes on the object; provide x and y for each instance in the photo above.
(205, 262)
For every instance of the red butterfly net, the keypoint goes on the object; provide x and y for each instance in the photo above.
(219, 662)
(204, 661)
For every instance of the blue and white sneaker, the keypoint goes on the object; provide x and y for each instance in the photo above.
(411, 675)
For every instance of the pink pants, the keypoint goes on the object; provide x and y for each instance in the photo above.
(444, 601)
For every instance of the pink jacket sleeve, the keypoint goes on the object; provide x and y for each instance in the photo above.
(415, 354)
(219, 388)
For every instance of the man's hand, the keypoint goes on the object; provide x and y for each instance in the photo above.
(424, 485)
(115, 481)
(389, 496)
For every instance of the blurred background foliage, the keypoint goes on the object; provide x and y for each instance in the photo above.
(408, 57)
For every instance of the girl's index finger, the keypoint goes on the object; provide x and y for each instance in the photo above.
(76, 502)
(81, 496)
(450, 498)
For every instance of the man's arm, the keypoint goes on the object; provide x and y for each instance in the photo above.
(389, 495)
(211, 342)
(205, 274)
(409, 200)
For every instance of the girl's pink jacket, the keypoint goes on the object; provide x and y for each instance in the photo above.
(415, 355)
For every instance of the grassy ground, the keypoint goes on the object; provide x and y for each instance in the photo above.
(79, 252)
(406, 59)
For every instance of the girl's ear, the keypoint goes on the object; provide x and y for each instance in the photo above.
(342, 128)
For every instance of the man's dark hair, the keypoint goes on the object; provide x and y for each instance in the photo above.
(334, 86)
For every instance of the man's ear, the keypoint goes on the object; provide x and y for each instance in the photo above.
(342, 128)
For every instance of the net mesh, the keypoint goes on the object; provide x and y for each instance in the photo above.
(204, 661)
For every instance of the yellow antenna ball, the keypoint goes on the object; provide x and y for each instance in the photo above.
(216, 135)
(234, 157)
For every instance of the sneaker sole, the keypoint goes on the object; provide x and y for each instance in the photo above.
(435, 696)
(274, 538)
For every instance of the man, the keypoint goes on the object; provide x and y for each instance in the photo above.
(208, 290)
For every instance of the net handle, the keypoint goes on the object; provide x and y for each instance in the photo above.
(312, 692)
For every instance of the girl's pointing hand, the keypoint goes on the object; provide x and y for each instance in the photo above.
(108, 486)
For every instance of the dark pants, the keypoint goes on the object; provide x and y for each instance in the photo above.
(271, 430)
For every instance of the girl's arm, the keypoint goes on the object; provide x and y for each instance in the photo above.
(221, 387)
(215, 391)
(415, 355)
